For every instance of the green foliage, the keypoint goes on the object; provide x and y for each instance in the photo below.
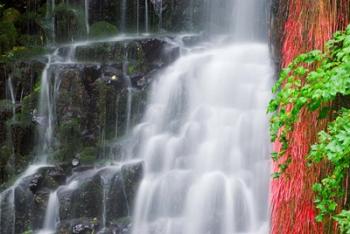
(8, 35)
(88, 155)
(312, 81)
(343, 220)
(69, 23)
(22, 54)
(333, 145)
(11, 15)
(102, 29)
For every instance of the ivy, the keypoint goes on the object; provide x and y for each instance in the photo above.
(333, 145)
(311, 82)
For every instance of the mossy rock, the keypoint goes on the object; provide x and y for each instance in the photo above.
(102, 29)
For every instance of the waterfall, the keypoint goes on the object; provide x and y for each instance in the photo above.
(129, 91)
(12, 97)
(146, 17)
(52, 214)
(204, 137)
(123, 13)
(46, 115)
(138, 16)
(87, 25)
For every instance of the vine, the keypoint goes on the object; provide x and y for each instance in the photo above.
(312, 81)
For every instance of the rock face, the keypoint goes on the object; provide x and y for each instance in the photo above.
(91, 102)
(89, 200)
(99, 91)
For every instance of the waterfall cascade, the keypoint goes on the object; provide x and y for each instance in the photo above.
(204, 138)
(197, 162)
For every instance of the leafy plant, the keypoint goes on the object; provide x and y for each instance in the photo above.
(311, 82)
(333, 145)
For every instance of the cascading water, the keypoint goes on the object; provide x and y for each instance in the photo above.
(52, 214)
(87, 25)
(12, 97)
(146, 17)
(202, 145)
(204, 138)
(123, 13)
(129, 91)
(46, 115)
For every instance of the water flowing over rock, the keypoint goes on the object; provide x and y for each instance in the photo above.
(135, 128)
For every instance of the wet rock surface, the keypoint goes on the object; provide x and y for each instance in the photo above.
(91, 104)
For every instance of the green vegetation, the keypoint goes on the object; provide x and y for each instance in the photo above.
(313, 81)
(102, 29)
(69, 23)
(22, 35)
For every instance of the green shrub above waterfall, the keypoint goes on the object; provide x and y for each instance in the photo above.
(69, 23)
(102, 29)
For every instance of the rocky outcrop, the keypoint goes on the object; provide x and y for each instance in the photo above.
(90, 199)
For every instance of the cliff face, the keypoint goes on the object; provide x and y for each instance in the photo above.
(299, 26)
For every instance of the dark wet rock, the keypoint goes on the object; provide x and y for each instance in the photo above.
(277, 21)
(47, 178)
(35, 182)
(121, 226)
(78, 226)
(132, 174)
(83, 168)
(142, 53)
(84, 201)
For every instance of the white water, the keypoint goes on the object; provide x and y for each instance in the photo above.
(146, 17)
(7, 202)
(87, 25)
(52, 214)
(123, 13)
(204, 139)
(46, 115)
(129, 91)
(12, 97)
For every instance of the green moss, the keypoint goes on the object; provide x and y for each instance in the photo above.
(5, 105)
(88, 155)
(11, 15)
(70, 139)
(22, 54)
(5, 154)
(102, 29)
(30, 40)
(8, 35)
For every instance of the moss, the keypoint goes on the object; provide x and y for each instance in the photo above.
(88, 155)
(28, 104)
(8, 35)
(102, 29)
(70, 139)
(5, 105)
(5, 154)
(28, 232)
(30, 40)
(22, 54)
(11, 15)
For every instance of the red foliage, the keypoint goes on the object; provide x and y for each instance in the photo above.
(309, 24)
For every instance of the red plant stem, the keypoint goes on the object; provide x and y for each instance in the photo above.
(309, 24)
